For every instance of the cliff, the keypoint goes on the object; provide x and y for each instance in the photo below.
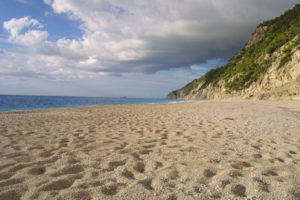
(268, 67)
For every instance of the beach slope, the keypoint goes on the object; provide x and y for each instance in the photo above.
(192, 150)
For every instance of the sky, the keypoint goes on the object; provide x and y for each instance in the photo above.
(116, 48)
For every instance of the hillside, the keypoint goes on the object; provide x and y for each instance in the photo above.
(268, 67)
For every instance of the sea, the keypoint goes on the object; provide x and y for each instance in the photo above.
(20, 102)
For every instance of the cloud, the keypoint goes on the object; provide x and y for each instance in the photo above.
(133, 36)
(148, 36)
(30, 37)
(15, 25)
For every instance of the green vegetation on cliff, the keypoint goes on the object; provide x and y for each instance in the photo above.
(253, 60)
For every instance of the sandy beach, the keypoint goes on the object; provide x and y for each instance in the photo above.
(192, 150)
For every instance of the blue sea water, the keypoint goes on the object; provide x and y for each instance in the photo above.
(19, 102)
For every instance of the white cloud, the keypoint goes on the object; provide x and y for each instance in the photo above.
(15, 25)
(128, 36)
(31, 37)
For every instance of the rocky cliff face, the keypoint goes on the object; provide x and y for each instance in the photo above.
(268, 67)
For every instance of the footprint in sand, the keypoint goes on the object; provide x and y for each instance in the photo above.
(172, 197)
(262, 185)
(164, 136)
(292, 152)
(114, 164)
(149, 146)
(178, 133)
(174, 174)
(117, 163)
(90, 184)
(111, 190)
(239, 190)
(279, 159)
(139, 167)
(235, 174)
(256, 147)
(208, 173)
(37, 170)
(79, 195)
(224, 183)
(58, 185)
(257, 156)
(151, 141)
(158, 165)
(240, 165)
(122, 146)
(68, 170)
(146, 183)
(145, 151)
(269, 173)
(136, 156)
(46, 154)
(128, 174)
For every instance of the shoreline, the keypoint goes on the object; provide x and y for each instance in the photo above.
(190, 150)
(83, 106)
(183, 101)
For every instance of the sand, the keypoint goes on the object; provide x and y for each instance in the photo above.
(194, 150)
